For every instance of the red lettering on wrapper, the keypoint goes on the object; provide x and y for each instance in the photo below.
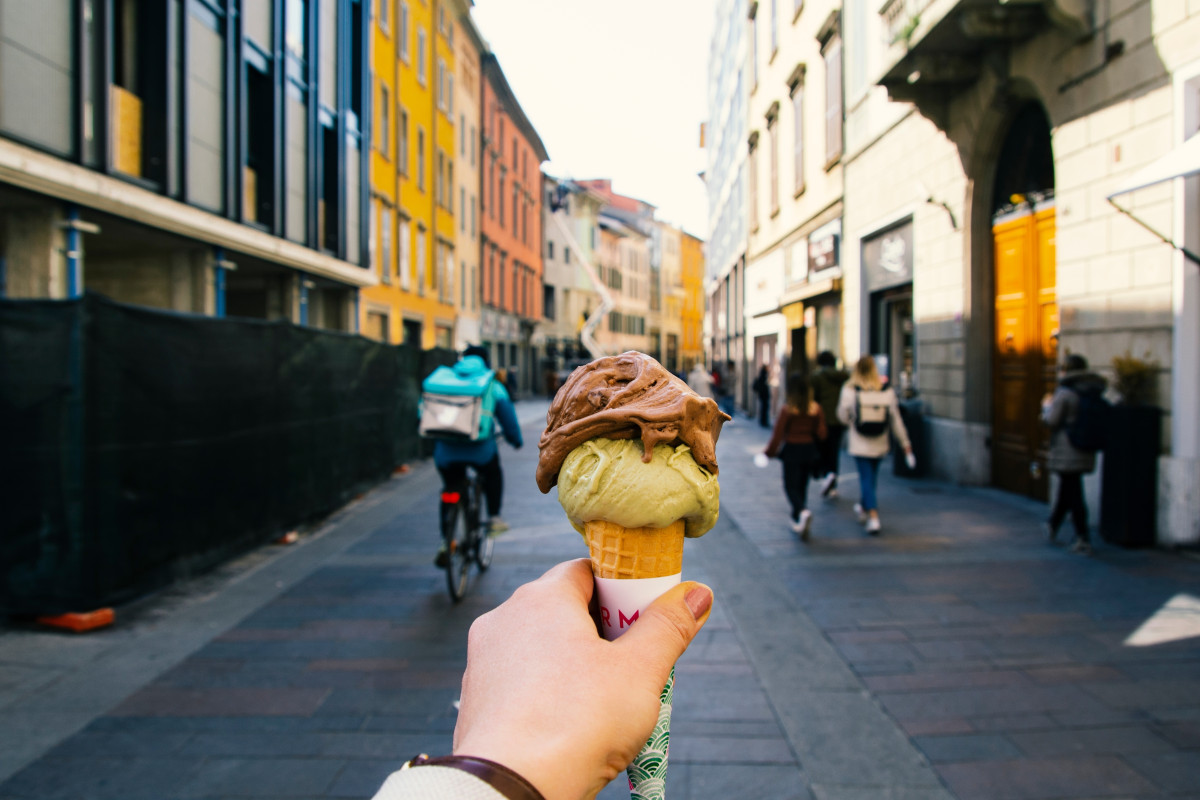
(604, 616)
(625, 621)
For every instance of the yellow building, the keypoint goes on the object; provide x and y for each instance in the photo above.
(412, 223)
(692, 268)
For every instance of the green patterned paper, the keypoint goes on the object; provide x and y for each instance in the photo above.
(648, 772)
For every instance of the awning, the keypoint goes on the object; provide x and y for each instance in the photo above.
(1181, 162)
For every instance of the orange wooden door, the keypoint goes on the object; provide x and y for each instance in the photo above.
(1024, 350)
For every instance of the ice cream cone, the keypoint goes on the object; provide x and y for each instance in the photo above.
(619, 553)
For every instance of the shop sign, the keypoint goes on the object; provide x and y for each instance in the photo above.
(888, 257)
(824, 247)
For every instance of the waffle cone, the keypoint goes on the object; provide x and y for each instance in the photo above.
(623, 553)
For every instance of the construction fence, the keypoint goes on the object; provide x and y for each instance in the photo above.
(138, 446)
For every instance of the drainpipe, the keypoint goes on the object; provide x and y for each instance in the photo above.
(74, 254)
(305, 285)
(221, 266)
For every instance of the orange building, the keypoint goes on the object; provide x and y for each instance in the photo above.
(692, 268)
(510, 230)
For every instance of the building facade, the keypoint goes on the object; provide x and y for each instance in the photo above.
(469, 49)
(130, 166)
(511, 232)
(795, 148)
(692, 271)
(981, 186)
(570, 296)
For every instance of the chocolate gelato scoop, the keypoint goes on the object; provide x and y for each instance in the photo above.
(630, 396)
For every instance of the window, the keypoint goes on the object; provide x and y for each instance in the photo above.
(796, 83)
(449, 183)
(550, 249)
(515, 207)
(420, 158)
(462, 208)
(773, 144)
(403, 34)
(404, 239)
(753, 46)
(500, 207)
(422, 263)
(548, 302)
(385, 118)
(450, 93)
(752, 180)
(402, 141)
(385, 244)
(472, 215)
(473, 138)
(462, 136)
(385, 15)
(438, 189)
(421, 69)
(831, 52)
(774, 22)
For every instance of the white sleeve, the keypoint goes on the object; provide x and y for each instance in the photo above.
(435, 783)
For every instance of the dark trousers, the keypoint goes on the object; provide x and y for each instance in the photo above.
(454, 478)
(831, 448)
(1070, 500)
(798, 462)
(764, 410)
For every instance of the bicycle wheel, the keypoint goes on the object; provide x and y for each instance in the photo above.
(458, 547)
(483, 541)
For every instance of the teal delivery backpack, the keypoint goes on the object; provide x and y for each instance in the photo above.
(457, 407)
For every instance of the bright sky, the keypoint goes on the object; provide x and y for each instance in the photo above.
(615, 89)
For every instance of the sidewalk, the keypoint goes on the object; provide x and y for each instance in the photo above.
(956, 655)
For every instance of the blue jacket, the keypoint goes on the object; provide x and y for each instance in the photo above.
(479, 453)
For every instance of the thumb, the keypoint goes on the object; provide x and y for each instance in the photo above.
(668, 626)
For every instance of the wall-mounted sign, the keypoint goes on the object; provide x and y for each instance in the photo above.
(823, 252)
(887, 257)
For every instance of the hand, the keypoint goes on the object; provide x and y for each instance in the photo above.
(761, 460)
(544, 695)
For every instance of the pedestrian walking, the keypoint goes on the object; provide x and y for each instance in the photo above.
(869, 411)
(762, 390)
(1068, 462)
(700, 381)
(798, 428)
(827, 383)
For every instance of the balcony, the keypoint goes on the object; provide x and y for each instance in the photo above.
(938, 48)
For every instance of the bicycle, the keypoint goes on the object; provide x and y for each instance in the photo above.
(465, 534)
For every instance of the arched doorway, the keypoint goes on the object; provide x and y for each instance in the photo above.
(1025, 344)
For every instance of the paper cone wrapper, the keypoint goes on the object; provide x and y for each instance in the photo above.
(632, 567)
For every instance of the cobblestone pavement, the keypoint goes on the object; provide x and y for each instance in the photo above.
(958, 655)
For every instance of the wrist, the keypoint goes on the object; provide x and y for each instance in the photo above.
(504, 780)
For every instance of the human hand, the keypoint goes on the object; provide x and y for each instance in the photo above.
(547, 697)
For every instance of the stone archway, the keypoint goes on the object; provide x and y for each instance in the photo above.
(1024, 332)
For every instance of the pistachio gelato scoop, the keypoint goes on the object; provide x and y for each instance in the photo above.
(608, 479)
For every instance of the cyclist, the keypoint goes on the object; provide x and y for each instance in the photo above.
(452, 458)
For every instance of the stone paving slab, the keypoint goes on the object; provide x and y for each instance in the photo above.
(956, 655)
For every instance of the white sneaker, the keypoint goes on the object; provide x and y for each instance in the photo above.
(827, 485)
(858, 512)
(496, 526)
(804, 524)
(873, 525)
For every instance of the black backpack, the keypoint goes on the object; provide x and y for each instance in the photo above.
(873, 419)
(1089, 430)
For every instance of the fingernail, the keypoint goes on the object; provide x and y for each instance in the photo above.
(699, 599)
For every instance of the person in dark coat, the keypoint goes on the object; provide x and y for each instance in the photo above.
(1067, 462)
(827, 383)
(798, 428)
(762, 390)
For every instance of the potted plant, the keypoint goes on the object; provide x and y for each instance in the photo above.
(1129, 496)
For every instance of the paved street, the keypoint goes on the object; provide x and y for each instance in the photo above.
(956, 656)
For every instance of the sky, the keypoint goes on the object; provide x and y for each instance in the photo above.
(615, 89)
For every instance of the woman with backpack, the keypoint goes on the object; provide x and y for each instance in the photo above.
(1060, 412)
(798, 428)
(869, 411)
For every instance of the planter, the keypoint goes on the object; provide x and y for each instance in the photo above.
(1129, 485)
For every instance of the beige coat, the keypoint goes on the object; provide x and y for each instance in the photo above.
(870, 446)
